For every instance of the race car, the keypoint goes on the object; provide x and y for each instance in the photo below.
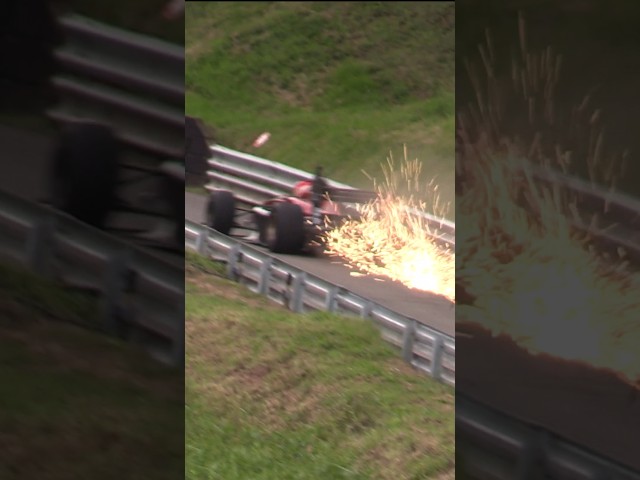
(289, 223)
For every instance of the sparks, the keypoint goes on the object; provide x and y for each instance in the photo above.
(390, 242)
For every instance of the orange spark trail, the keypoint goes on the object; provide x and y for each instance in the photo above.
(388, 241)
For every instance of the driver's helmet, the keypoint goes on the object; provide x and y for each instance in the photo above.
(303, 189)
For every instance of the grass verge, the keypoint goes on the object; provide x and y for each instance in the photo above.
(275, 395)
(75, 404)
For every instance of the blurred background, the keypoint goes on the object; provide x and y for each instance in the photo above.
(543, 336)
(598, 42)
(43, 95)
(74, 402)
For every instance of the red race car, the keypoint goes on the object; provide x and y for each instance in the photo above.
(288, 223)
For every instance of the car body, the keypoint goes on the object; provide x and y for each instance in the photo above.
(288, 223)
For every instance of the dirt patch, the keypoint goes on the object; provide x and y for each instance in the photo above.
(196, 50)
(391, 454)
(283, 386)
(301, 94)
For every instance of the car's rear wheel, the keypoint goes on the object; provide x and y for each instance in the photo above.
(284, 231)
(221, 211)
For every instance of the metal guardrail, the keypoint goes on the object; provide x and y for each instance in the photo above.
(501, 448)
(253, 180)
(426, 349)
(131, 82)
(141, 297)
(619, 212)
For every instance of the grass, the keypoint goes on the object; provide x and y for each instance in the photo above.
(76, 404)
(340, 84)
(275, 395)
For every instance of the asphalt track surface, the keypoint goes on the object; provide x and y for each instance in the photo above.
(588, 407)
(432, 310)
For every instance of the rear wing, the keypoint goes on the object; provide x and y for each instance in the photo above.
(351, 195)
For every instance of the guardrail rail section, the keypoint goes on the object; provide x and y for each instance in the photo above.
(133, 82)
(499, 447)
(141, 296)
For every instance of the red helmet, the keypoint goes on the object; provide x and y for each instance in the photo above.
(303, 189)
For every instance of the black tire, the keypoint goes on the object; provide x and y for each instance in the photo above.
(84, 172)
(174, 190)
(221, 211)
(284, 231)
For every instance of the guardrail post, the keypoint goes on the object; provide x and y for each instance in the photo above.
(233, 259)
(295, 299)
(330, 302)
(116, 282)
(202, 243)
(39, 245)
(265, 276)
(436, 361)
(407, 341)
(365, 311)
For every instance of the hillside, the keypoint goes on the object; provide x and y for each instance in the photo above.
(336, 83)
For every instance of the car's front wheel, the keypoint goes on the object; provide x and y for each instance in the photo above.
(221, 211)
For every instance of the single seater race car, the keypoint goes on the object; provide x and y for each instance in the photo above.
(288, 223)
